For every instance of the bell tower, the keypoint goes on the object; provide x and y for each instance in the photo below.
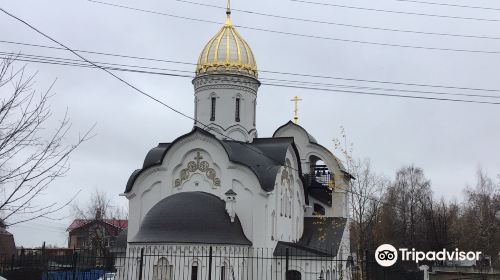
(226, 86)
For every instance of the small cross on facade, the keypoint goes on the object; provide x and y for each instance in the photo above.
(198, 157)
(296, 100)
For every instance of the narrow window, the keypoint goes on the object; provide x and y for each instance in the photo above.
(273, 226)
(281, 204)
(223, 273)
(212, 112)
(237, 111)
(254, 111)
(194, 272)
(195, 110)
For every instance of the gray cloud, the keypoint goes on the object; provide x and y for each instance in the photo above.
(447, 139)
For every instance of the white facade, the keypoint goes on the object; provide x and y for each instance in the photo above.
(226, 104)
(265, 184)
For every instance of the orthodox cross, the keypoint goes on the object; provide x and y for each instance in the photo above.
(198, 157)
(296, 100)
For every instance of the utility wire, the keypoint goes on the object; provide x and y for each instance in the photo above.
(68, 62)
(265, 71)
(95, 65)
(450, 5)
(342, 24)
(155, 99)
(303, 35)
(275, 85)
(394, 12)
(136, 89)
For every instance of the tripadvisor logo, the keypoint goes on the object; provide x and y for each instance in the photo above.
(387, 255)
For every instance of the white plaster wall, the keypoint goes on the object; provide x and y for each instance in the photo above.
(306, 151)
(289, 218)
(241, 262)
(158, 183)
(226, 93)
(253, 206)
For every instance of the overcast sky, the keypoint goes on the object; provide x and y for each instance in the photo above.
(448, 140)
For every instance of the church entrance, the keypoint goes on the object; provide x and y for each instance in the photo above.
(293, 275)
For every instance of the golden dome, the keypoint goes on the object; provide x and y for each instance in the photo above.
(227, 52)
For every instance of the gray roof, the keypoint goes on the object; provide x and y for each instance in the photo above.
(313, 141)
(190, 217)
(264, 156)
(309, 136)
(322, 236)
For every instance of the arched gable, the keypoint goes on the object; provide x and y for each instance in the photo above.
(308, 146)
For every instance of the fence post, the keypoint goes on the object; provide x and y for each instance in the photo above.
(74, 263)
(287, 256)
(12, 262)
(140, 263)
(210, 263)
(366, 265)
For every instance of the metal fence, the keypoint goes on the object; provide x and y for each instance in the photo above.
(227, 263)
(190, 263)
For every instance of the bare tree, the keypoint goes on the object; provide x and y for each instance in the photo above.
(479, 229)
(410, 194)
(100, 205)
(95, 214)
(29, 160)
(364, 196)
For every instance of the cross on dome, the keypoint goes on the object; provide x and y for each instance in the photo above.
(227, 52)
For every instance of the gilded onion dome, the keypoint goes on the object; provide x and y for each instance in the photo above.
(226, 52)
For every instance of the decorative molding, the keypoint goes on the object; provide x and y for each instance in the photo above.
(214, 82)
(153, 170)
(198, 165)
(285, 176)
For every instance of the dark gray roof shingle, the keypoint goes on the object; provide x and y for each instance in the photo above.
(190, 217)
(322, 237)
(264, 156)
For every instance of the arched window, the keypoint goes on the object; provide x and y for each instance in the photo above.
(194, 271)
(293, 275)
(297, 228)
(237, 110)
(212, 108)
(254, 111)
(281, 206)
(273, 225)
(285, 201)
(162, 270)
(224, 271)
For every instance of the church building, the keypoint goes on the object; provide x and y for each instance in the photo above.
(222, 203)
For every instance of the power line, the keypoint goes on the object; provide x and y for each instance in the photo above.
(151, 97)
(266, 71)
(450, 5)
(129, 84)
(394, 12)
(302, 35)
(95, 65)
(286, 85)
(343, 24)
(382, 94)
(63, 61)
